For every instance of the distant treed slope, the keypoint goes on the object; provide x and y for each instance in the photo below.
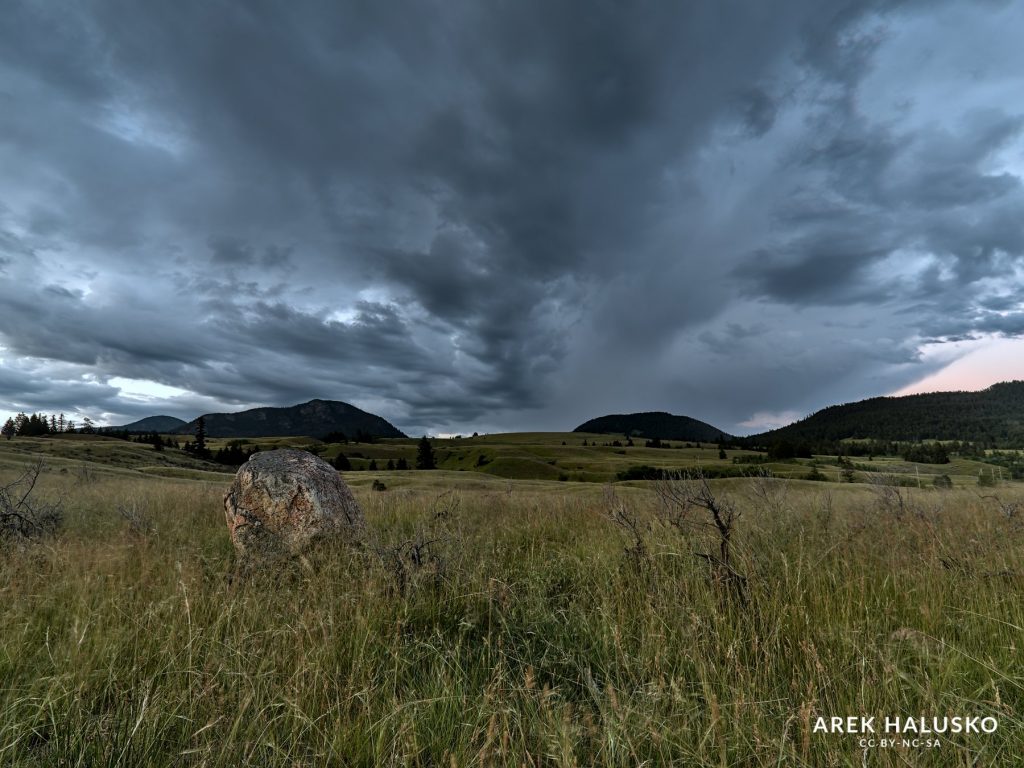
(994, 415)
(315, 418)
(663, 426)
(152, 424)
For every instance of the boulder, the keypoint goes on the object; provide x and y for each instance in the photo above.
(282, 502)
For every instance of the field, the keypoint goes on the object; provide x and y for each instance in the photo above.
(544, 622)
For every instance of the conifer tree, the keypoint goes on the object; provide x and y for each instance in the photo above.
(425, 455)
(199, 448)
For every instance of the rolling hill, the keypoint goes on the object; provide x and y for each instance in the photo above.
(655, 424)
(313, 419)
(161, 424)
(994, 416)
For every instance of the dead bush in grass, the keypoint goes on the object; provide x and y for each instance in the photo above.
(891, 498)
(426, 554)
(626, 519)
(825, 509)
(682, 496)
(769, 492)
(85, 474)
(140, 525)
(24, 516)
(1009, 510)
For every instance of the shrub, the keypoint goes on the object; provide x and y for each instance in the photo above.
(641, 472)
(815, 474)
(681, 495)
(22, 515)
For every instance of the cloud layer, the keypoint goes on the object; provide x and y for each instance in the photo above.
(504, 216)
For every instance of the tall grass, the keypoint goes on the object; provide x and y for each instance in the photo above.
(530, 639)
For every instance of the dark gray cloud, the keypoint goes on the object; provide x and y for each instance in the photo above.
(503, 215)
(758, 110)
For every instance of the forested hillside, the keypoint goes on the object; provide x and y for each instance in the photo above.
(992, 417)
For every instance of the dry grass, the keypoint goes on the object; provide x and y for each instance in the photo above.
(528, 639)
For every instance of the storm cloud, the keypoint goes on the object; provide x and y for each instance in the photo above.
(503, 215)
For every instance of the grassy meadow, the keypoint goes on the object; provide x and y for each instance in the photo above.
(509, 618)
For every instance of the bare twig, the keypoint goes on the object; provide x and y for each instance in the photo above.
(139, 523)
(889, 495)
(21, 515)
(625, 518)
(681, 494)
(770, 492)
(427, 550)
(1008, 509)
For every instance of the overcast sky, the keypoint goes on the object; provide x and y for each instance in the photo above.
(508, 215)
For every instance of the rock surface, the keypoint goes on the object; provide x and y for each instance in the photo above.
(282, 502)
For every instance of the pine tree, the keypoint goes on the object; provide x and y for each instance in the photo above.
(341, 463)
(402, 463)
(199, 448)
(373, 465)
(9, 429)
(391, 464)
(425, 455)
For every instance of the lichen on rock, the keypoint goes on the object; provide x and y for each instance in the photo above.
(283, 502)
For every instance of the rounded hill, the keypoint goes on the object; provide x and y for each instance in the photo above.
(655, 424)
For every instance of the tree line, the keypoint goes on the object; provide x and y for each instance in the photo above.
(425, 459)
(925, 453)
(39, 424)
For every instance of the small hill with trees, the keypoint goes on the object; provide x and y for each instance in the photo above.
(317, 417)
(161, 424)
(655, 425)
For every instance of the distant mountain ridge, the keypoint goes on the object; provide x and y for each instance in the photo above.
(993, 416)
(313, 419)
(161, 424)
(655, 424)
